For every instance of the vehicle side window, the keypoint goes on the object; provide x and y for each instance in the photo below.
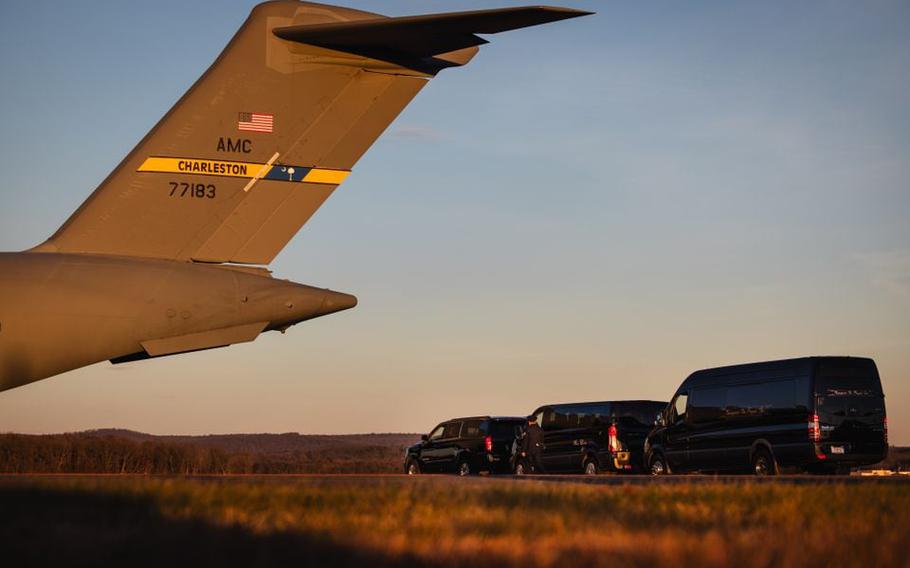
(707, 404)
(586, 420)
(472, 428)
(758, 399)
(437, 432)
(547, 419)
(679, 407)
(451, 430)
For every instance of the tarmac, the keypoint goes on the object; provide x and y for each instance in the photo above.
(603, 479)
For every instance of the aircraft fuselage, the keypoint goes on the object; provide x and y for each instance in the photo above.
(63, 311)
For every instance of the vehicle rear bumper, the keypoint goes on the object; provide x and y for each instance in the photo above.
(620, 462)
(830, 452)
(497, 463)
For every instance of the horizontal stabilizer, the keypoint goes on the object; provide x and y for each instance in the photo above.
(415, 41)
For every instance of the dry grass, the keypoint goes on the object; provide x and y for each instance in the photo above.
(453, 522)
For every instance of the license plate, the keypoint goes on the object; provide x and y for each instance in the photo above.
(837, 449)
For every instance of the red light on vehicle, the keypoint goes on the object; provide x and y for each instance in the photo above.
(815, 431)
(488, 443)
(613, 439)
(821, 456)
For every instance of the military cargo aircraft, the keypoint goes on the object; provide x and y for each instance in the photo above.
(169, 253)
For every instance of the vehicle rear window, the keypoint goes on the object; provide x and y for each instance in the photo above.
(504, 429)
(852, 405)
(639, 414)
(847, 377)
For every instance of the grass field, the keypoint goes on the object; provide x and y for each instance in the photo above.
(433, 521)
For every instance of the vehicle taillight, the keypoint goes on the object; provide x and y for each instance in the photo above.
(815, 431)
(613, 439)
(488, 443)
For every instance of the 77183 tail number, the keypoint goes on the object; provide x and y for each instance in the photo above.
(184, 189)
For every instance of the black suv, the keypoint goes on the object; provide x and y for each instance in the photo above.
(590, 437)
(465, 446)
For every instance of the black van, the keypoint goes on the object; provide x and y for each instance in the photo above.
(465, 446)
(817, 414)
(590, 437)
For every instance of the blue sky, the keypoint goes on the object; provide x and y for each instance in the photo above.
(591, 209)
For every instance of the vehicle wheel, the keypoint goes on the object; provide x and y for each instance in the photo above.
(464, 469)
(412, 467)
(763, 463)
(591, 467)
(658, 465)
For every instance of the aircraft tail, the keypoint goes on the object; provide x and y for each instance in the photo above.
(264, 137)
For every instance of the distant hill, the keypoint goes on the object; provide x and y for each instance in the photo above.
(126, 451)
(270, 444)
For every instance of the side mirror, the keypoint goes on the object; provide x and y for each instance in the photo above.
(424, 437)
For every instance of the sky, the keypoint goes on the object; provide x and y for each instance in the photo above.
(589, 210)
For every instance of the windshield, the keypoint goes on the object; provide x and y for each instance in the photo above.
(436, 433)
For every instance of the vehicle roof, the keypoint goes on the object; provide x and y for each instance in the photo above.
(571, 404)
(780, 368)
(494, 418)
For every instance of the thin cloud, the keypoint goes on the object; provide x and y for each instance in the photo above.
(889, 271)
(416, 132)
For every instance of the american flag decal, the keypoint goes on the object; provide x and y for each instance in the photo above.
(255, 122)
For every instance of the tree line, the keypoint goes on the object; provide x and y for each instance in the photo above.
(83, 453)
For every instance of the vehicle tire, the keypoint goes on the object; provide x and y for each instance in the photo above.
(763, 463)
(657, 465)
(412, 467)
(590, 467)
(464, 469)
